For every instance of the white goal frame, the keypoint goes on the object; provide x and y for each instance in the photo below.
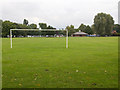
(11, 41)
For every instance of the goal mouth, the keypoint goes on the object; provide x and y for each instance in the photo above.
(37, 30)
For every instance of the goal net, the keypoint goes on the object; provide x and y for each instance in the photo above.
(45, 30)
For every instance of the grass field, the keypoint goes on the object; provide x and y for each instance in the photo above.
(89, 62)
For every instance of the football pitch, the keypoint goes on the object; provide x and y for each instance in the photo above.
(89, 62)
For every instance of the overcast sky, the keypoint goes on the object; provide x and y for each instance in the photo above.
(58, 13)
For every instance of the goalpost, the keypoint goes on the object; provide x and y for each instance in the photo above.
(11, 42)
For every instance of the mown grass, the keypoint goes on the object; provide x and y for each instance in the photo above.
(89, 62)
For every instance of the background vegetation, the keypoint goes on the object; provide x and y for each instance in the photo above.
(103, 25)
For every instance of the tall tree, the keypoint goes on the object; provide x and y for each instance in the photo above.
(25, 22)
(32, 26)
(109, 24)
(19, 33)
(50, 27)
(82, 27)
(93, 29)
(103, 24)
(70, 29)
(7, 25)
(88, 30)
(43, 25)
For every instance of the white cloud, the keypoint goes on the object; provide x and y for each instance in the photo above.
(58, 13)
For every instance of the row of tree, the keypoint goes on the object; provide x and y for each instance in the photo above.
(7, 25)
(103, 25)
(82, 27)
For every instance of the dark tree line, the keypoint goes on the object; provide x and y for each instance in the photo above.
(103, 25)
(7, 25)
(82, 28)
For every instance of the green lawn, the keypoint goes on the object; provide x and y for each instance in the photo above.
(89, 62)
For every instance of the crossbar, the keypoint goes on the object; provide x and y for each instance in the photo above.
(36, 30)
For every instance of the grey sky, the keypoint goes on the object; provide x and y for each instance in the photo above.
(58, 13)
